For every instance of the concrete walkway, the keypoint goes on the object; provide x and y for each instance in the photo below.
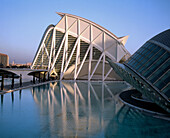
(7, 88)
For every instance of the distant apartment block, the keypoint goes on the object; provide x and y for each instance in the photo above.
(4, 60)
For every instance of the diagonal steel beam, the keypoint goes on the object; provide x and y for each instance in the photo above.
(96, 65)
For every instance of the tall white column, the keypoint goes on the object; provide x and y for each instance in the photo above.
(103, 70)
(91, 52)
(78, 49)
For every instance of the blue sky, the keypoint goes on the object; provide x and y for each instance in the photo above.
(23, 22)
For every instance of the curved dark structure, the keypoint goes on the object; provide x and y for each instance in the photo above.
(147, 70)
(134, 99)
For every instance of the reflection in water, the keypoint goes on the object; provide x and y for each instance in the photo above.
(91, 109)
(2, 99)
(20, 91)
(82, 109)
(132, 123)
(12, 97)
(77, 109)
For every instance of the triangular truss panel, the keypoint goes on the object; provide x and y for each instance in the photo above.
(61, 24)
(73, 29)
(77, 48)
(83, 26)
(70, 21)
(86, 33)
(96, 32)
(99, 40)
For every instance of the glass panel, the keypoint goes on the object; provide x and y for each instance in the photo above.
(151, 46)
(144, 60)
(147, 53)
(166, 78)
(138, 66)
(138, 57)
(133, 61)
(159, 72)
(166, 91)
(155, 65)
(163, 81)
(160, 84)
(141, 69)
(141, 57)
(156, 49)
(140, 50)
(128, 62)
(150, 55)
(135, 55)
(151, 58)
(159, 62)
(148, 63)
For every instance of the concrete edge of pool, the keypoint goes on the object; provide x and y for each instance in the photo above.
(24, 87)
(46, 82)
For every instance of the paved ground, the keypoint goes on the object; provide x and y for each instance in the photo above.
(7, 88)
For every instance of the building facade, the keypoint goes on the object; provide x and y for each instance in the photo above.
(77, 48)
(147, 70)
(4, 60)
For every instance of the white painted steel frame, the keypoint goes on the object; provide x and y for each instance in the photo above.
(41, 46)
(53, 55)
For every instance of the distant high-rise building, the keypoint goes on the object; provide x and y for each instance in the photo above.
(4, 60)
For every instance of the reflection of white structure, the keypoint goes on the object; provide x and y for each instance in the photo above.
(77, 109)
(77, 48)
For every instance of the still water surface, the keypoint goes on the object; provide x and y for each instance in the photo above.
(69, 109)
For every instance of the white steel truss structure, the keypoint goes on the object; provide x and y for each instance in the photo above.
(77, 48)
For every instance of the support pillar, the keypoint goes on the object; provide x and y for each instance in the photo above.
(44, 77)
(48, 76)
(33, 78)
(2, 82)
(12, 86)
(39, 77)
(20, 79)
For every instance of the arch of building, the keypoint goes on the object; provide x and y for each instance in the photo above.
(75, 44)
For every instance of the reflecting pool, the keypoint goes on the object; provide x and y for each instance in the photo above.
(75, 109)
